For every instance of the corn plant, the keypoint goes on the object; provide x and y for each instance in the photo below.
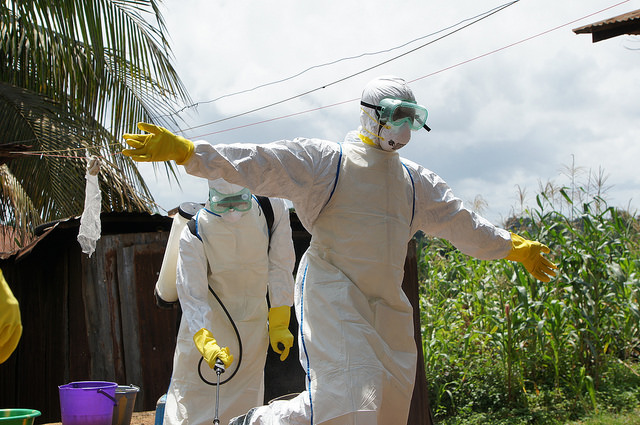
(494, 336)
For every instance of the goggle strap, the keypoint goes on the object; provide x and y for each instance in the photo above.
(368, 105)
(376, 108)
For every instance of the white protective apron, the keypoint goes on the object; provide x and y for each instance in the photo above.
(356, 340)
(238, 274)
(358, 332)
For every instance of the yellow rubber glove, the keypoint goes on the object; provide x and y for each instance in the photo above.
(279, 334)
(10, 323)
(529, 253)
(210, 350)
(160, 145)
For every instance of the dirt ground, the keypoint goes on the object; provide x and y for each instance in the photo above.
(138, 418)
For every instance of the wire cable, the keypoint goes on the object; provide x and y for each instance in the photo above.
(482, 16)
(333, 63)
(409, 81)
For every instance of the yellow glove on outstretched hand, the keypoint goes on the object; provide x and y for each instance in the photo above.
(279, 334)
(210, 350)
(160, 145)
(10, 323)
(529, 253)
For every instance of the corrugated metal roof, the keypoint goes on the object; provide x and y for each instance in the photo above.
(627, 23)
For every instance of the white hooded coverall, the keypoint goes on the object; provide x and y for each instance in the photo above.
(232, 259)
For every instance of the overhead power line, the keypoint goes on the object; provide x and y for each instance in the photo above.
(341, 60)
(410, 81)
(475, 19)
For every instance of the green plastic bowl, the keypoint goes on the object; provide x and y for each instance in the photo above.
(18, 416)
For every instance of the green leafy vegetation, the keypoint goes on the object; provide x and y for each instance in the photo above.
(501, 347)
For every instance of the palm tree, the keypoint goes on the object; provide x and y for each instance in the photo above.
(74, 76)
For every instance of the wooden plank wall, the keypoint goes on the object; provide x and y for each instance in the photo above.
(40, 282)
(132, 341)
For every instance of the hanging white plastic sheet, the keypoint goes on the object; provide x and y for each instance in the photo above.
(90, 226)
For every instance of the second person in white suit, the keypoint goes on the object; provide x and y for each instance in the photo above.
(228, 260)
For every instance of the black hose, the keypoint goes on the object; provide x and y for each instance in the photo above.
(235, 328)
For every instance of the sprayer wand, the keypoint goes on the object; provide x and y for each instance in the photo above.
(219, 368)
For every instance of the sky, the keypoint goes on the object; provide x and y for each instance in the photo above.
(516, 99)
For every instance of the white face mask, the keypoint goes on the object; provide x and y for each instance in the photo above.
(393, 138)
(232, 216)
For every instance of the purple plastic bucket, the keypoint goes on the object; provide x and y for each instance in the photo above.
(87, 402)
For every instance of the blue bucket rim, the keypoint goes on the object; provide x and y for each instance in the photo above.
(25, 413)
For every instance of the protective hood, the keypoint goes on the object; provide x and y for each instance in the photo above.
(223, 186)
(370, 128)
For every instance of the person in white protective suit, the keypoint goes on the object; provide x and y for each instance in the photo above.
(226, 264)
(362, 203)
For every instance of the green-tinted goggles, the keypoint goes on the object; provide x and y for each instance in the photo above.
(221, 203)
(396, 112)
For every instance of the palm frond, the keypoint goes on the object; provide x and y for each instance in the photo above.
(17, 213)
(74, 76)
